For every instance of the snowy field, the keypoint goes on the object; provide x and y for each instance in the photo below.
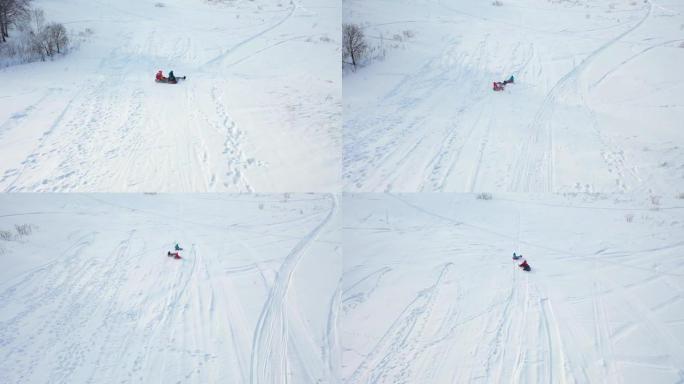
(88, 295)
(430, 293)
(597, 103)
(260, 110)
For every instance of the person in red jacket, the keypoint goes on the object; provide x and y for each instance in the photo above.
(525, 266)
(160, 76)
(175, 255)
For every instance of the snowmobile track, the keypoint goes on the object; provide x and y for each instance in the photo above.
(269, 345)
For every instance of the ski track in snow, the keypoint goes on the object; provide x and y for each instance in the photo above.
(395, 355)
(533, 170)
(107, 131)
(440, 128)
(105, 303)
(94, 283)
(604, 319)
(269, 363)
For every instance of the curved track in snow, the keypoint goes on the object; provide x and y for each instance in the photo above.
(105, 125)
(269, 362)
(424, 118)
(435, 297)
(90, 295)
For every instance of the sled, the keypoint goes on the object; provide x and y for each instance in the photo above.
(174, 255)
(165, 80)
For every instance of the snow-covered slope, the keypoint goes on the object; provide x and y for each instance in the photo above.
(430, 293)
(260, 109)
(91, 297)
(597, 104)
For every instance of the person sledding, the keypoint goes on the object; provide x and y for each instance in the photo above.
(178, 247)
(171, 79)
(516, 257)
(501, 85)
(525, 266)
(175, 255)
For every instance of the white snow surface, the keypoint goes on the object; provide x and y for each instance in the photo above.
(260, 110)
(596, 106)
(91, 297)
(430, 293)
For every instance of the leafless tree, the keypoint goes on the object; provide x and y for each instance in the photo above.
(354, 43)
(35, 39)
(37, 19)
(57, 37)
(10, 12)
(49, 41)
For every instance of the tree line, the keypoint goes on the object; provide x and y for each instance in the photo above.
(35, 39)
(11, 13)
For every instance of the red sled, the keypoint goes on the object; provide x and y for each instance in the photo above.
(175, 255)
(165, 80)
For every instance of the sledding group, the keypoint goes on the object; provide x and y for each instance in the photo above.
(171, 79)
(175, 254)
(501, 85)
(524, 265)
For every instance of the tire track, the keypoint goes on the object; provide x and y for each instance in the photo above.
(404, 342)
(78, 287)
(269, 346)
(217, 59)
(533, 169)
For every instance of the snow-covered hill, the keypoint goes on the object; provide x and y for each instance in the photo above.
(89, 296)
(596, 105)
(260, 110)
(430, 293)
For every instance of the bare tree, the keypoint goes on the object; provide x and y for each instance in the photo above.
(57, 37)
(48, 40)
(10, 12)
(37, 18)
(354, 43)
(35, 40)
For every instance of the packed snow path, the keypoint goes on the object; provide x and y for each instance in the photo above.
(431, 295)
(260, 110)
(91, 297)
(596, 105)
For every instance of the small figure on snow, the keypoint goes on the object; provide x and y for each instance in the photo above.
(525, 266)
(178, 248)
(500, 86)
(172, 79)
(516, 257)
(175, 255)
